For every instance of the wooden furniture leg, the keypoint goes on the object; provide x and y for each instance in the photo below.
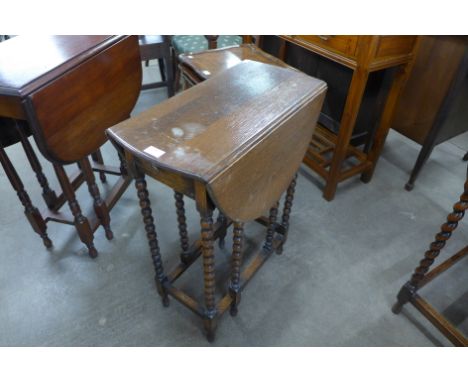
(169, 76)
(182, 223)
(206, 221)
(288, 202)
(222, 221)
(422, 276)
(350, 112)
(32, 213)
(80, 221)
(410, 288)
(100, 206)
(48, 195)
(422, 158)
(97, 157)
(234, 285)
(268, 245)
(145, 205)
(386, 120)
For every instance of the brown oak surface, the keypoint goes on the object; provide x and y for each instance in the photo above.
(243, 133)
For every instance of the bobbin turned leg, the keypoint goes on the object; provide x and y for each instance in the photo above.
(410, 288)
(206, 222)
(268, 245)
(81, 222)
(48, 195)
(288, 202)
(97, 157)
(100, 206)
(32, 213)
(152, 236)
(222, 235)
(182, 223)
(237, 247)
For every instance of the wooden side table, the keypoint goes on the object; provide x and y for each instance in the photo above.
(68, 89)
(232, 143)
(363, 55)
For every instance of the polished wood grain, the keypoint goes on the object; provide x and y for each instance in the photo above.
(233, 143)
(72, 89)
(111, 92)
(217, 147)
(200, 66)
(28, 63)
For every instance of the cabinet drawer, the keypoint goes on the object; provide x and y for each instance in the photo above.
(341, 44)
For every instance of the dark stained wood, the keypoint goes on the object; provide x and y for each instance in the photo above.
(182, 222)
(55, 55)
(268, 245)
(100, 206)
(200, 66)
(432, 108)
(205, 143)
(74, 88)
(288, 202)
(158, 47)
(81, 222)
(421, 275)
(112, 91)
(145, 205)
(32, 213)
(237, 248)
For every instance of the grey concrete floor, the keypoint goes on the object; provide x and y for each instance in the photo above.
(333, 286)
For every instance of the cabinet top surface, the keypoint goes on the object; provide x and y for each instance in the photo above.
(26, 61)
(205, 129)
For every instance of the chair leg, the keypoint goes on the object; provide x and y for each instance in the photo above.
(48, 195)
(237, 247)
(81, 222)
(100, 206)
(169, 77)
(151, 234)
(268, 245)
(97, 157)
(182, 222)
(288, 202)
(222, 220)
(32, 213)
(410, 288)
(162, 69)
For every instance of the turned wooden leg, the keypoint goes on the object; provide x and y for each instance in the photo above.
(222, 235)
(288, 202)
(206, 223)
(81, 222)
(100, 206)
(182, 222)
(268, 245)
(32, 213)
(48, 195)
(97, 157)
(409, 289)
(152, 236)
(237, 247)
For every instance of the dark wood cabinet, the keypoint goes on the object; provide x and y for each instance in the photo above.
(433, 106)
